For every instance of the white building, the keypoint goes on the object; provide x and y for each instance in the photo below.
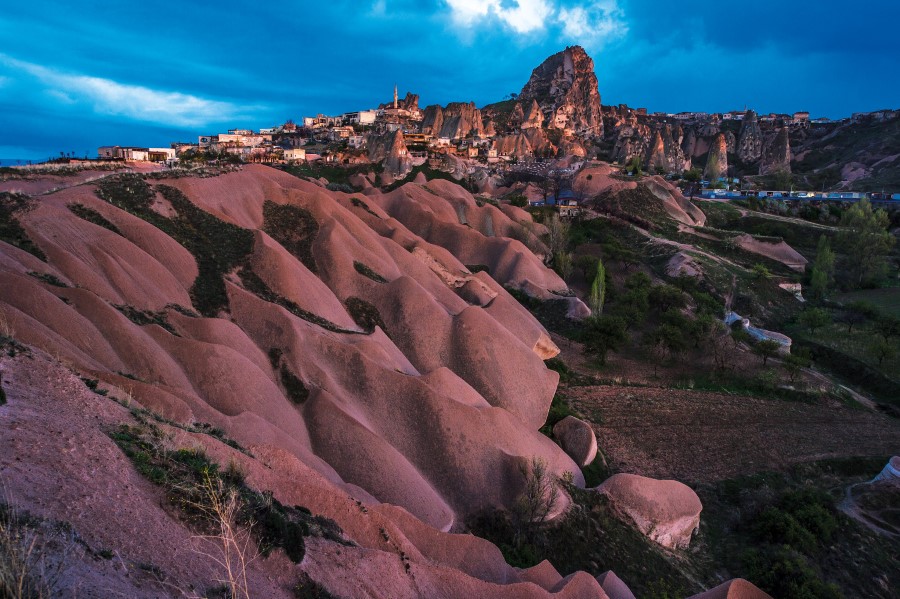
(295, 155)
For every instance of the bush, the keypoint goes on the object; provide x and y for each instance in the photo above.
(518, 200)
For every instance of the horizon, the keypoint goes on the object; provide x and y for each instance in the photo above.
(201, 72)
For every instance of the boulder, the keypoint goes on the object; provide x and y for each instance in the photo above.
(577, 439)
(666, 511)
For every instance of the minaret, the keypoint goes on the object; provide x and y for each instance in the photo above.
(395, 97)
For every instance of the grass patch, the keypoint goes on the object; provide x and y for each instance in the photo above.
(368, 272)
(92, 216)
(11, 230)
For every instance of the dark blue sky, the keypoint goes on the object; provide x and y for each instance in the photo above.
(76, 75)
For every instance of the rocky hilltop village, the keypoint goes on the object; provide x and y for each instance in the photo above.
(236, 380)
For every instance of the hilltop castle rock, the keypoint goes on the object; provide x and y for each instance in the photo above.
(565, 88)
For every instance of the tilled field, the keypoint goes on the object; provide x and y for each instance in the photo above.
(698, 436)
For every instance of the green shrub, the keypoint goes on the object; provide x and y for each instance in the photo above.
(294, 228)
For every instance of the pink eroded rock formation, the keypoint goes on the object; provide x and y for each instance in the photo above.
(666, 511)
(60, 463)
(382, 413)
(565, 87)
(737, 588)
(614, 587)
(577, 439)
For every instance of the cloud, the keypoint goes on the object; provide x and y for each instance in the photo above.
(601, 21)
(135, 102)
(589, 23)
(522, 16)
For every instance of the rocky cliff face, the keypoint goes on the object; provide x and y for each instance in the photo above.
(433, 120)
(461, 119)
(390, 149)
(750, 143)
(717, 161)
(777, 154)
(565, 87)
(534, 118)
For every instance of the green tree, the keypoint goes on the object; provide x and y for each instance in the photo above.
(598, 290)
(693, 175)
(881, 349)
(818, 284)
(866, 240)
(766, 348)
(665, 297)
(602, 335)
(825, 258)
(851, 317)
(557, 235)
(795, 362)
(562, 264)
(887, 327)
(814, 318)
(587, 264)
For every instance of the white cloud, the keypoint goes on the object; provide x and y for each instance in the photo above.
(522, 16)
(135, 102)
(595, 24)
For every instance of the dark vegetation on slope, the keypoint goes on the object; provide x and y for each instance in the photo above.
(92, 216)
(11, 230)
(144, 317)
(217, 246)
(368, 272)
(294, 228)
(364, 314)
(258, 287)
(784, 533)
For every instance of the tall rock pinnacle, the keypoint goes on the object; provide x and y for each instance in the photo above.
(565, 88)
